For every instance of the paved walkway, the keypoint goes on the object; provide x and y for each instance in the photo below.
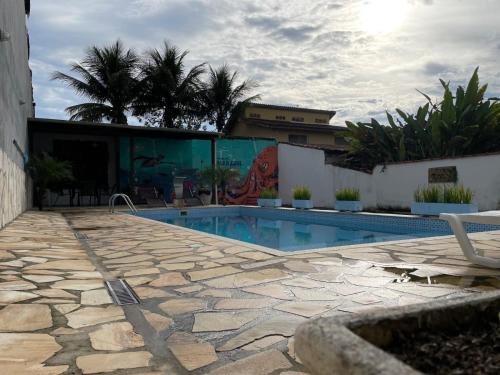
(208, 305)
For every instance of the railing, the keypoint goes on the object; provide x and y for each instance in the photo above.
(128, 201)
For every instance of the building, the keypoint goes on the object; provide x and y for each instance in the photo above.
(289, 125)
(16, 106)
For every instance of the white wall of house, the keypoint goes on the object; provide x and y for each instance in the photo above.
(392, 185)
(15, 108)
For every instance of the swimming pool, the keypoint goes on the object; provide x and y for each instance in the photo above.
(294, 230)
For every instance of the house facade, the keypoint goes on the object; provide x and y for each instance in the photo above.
(294, 125)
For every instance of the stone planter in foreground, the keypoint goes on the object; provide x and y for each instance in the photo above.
(302, 203)
(352, 345)
(435, 209)
(353, 206)
(269, 202)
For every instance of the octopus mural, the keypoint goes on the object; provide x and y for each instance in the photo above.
(263, 174)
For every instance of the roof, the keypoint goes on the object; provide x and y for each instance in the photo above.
(289, 108)
(287, 125)
(324, 147)
(81, 127)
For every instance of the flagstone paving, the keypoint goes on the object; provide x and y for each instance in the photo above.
(208, 305)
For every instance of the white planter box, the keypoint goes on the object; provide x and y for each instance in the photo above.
(353, 206)
(434, 209)
(206, 199)
(302, 203)
(269, 202)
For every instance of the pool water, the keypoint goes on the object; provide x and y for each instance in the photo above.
(288, 235)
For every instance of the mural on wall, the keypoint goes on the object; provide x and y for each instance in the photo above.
(257, 162)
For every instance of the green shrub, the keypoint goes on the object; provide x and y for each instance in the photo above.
(444, 194)
(301, 193)
(268, 193)
(347, 194)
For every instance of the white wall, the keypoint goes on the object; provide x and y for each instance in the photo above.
(15, 107)
(392, 185)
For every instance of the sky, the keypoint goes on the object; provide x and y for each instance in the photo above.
(357, 57)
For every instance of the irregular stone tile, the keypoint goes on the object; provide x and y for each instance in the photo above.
(78, 284)
(13, 296)
(214, 293)
(212, 273)
(23, 318)
(95, 297)
(53, 301)
(370, 281)
(315, 294)
(90, 316)
(207, 264)
(14, 263)
(243, 303)
(258, 364)
(114, 255)
(410, 300)
(42, 278)
(421, 290)
(249, 278)
(177, 266)
(231, 260)
(347, 290)
(95, 363)
(192, 352)
(386, 293)
(189, 289)
(65, 265)
(283, 326)
(182, 306)
(255, 255)
(307, 309)
(115, 337)
(136, 281)
(365, 299)
(221, 321)
(142, 272)
(183, 259)
(42, 272)
(85, 275)
(67, 308)
(17, 285)
(274, 290)
(333, 276)
(145, 292)
(54, 293)
(157, 321)
(263, 263)
(263, 343)
(361, 309)
(169, 279)
(298, 266)
(24, 353)
(131, 259)
(61, 331)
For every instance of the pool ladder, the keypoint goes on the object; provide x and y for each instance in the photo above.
(126, 198)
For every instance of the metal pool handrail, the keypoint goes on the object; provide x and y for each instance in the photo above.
(128, 201)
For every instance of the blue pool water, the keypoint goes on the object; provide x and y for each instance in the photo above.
(292, 230)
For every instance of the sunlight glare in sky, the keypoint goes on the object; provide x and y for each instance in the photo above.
(383, 16)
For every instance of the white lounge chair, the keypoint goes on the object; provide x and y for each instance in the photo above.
(457, 225)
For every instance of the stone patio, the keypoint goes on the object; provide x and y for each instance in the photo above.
(208, 305)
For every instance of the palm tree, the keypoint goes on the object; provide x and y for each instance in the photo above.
(222, 98)
(168, 94)
(107, 79)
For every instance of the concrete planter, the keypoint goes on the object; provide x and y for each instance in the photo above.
(435, 209)
(353, 206)
(302, 203)
(269, 202)
(354, 345)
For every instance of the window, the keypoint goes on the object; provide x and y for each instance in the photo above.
(254, 115)
(320, 121)
(280, 118)
(298, 119)
(297, 138)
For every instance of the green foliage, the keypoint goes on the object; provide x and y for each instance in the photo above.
(48, 174)
(269, 193)
(347, 194)
(460, 124)
(107, 79)
(220, 176)
(301, 193)
(444, 194)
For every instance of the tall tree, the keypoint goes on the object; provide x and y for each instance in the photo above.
(169, 94)
(107, 79)
(222, 96)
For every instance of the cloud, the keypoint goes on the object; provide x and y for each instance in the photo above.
(296, 33)
(435, 68)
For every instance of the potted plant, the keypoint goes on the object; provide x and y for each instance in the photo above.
(434, 200)
(348, 200)
(302, 197)
(268, 197)
(217, 177)
(47, 174)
